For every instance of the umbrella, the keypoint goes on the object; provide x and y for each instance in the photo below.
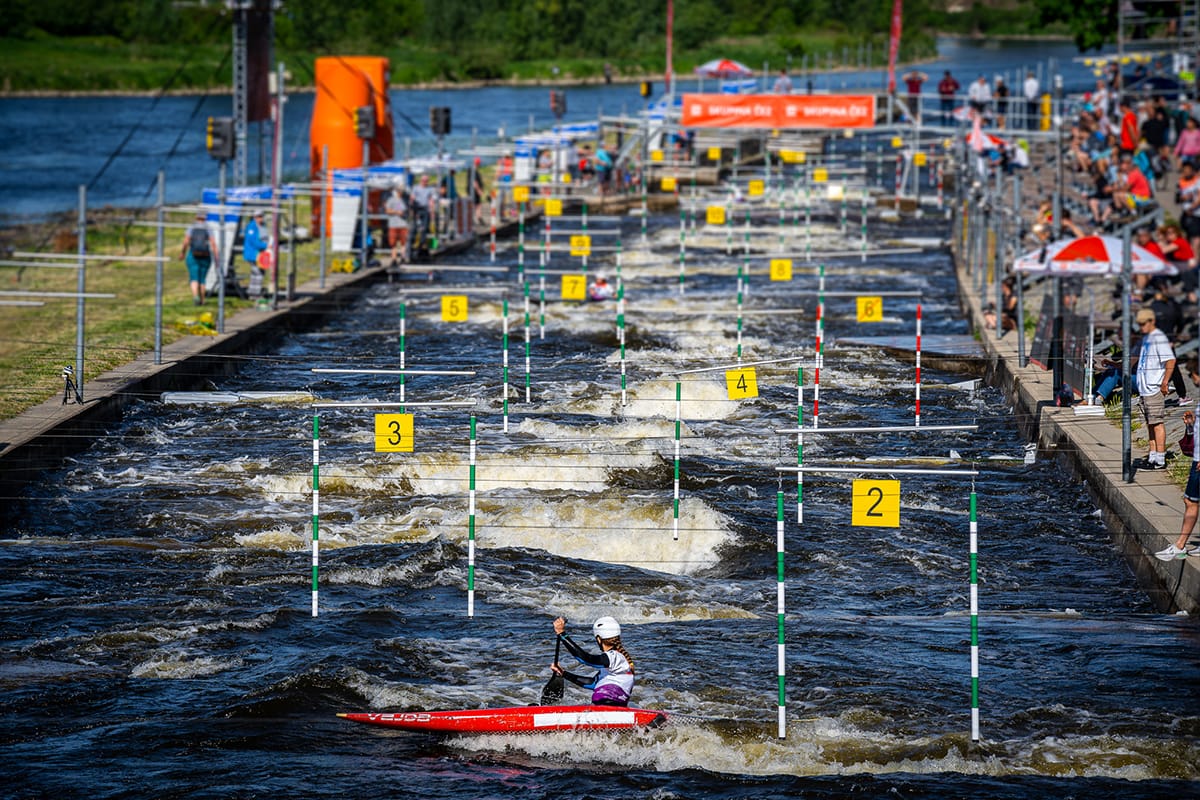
(980, 141)
(1090, 255)
(723, 68)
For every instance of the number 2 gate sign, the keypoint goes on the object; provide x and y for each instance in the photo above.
(875, 504)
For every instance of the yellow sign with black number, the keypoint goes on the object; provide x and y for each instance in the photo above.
(715, 215)
(897, 142)
(393, 433)
(520, 194)
(756, 188)
(454, 308)
(781, 269)
(656, 156)
(920, 159)
(574, 287)
(820, 175)
(554, 208)
(714, 154)
(741, 383)
(668, 184)
(875, 504)
(793, 156)
(581, 245)
(870, 309)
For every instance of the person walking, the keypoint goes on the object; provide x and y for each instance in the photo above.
(198, 253)
(1154, 368)
(1191, 494)
(397, 222)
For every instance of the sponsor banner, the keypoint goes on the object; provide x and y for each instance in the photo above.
(778, 111)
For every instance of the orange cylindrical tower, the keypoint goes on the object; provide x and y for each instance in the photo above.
(345, 83)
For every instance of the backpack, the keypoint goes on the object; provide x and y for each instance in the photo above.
(198, 242)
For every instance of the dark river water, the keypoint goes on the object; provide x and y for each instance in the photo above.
(156, 632)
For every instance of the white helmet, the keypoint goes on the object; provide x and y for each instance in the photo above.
(606, 628)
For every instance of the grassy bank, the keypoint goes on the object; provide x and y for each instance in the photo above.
(36, 343)
(105, 64)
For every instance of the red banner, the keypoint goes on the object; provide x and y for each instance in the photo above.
(894, 44)
(778, 111)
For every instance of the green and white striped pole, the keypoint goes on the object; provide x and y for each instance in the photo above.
(682, 246)
(807, 213)
(521, 242)
(678, 427)
(316, 504)
(729, 224)
(584, 227)
(863, 210)
(974, 621)
(621, 321)
(845, 186)
(528, 325)
(504, 373)
(403, 305)
(781, 657)
(471, 529)
(645, 205)
(542, 280)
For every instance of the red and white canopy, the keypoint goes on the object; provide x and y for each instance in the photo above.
(1090, 255)
(723, 68)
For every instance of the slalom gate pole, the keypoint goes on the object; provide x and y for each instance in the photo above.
(729, 225)
(781, 199)
(678, 426)
(316, 502)
(545, 257)
(845, 187)
(863, 221)
(974, 555)
(492, 233)
(899, 178)
(621, 321)
(780, 616)
(819, 359)
(941, 178)
(682, 245)
(807, 214)
(917, 382)
(742, 267)
(504, 371)
(800, 445)
(471, 529)
(402, 343)
(528, 325)
(584, 227)
(645, 205)
(521, 242)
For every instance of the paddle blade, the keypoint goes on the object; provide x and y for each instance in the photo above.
(553, 691)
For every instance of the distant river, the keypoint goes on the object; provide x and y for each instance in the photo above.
(49, 146)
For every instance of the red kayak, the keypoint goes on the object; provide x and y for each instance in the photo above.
(519, 719)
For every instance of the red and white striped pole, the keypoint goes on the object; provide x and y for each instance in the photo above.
(493, 230)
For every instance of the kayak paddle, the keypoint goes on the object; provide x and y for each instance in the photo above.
(553, 692)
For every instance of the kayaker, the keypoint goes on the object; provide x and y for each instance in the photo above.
(613, 684)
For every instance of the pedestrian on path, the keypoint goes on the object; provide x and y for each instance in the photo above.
(1191, 494)
(1154, 368)
(199, 253)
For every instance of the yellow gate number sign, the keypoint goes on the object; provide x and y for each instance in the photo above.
(520, 194)
(741, 383)
(781, 269)
(393, 433)
(656, 155)
(756, 188)
(793, 156)
(714, 154)
(715, 215)
(875, 504)
(581, 245)
(820, 175)
(574, 287)
(870, 309)
(897, 142)
(919, 159)
(668, 184)
(454, 308)
(554, 208)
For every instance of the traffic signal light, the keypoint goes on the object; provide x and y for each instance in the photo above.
(646, 89)
(219, 138)
(439, 120)
(364, 122)
(558, 102)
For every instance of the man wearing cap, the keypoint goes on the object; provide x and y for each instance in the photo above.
(1154, 368)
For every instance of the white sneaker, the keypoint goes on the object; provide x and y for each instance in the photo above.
(1170, 553)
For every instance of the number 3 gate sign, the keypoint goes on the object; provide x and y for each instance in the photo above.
(875, 504)
(393, 433)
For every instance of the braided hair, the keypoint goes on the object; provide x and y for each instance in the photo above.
(615, 643)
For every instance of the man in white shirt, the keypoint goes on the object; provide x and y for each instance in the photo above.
(1155, 365)
(783, 84)
(979, 95)
(1030, 90)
